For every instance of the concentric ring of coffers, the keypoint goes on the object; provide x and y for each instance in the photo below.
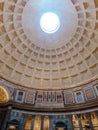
(53, 65)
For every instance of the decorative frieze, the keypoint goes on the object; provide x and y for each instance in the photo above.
(51, 98)
(30, 97)
(79, 97)
(89, 93)
(20, 95)
(68, 97)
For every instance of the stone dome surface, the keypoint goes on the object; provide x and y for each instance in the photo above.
(35, 59)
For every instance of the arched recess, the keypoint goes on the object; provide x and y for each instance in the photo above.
(60, 126)
(4, 96)
(13, 124)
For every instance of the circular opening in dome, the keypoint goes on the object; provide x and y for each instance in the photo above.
(49, 22)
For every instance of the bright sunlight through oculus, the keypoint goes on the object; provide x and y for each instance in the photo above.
(49, 22)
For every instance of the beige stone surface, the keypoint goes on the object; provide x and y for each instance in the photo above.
(61, 60)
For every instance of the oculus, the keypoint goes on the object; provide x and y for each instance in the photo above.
(49, 22)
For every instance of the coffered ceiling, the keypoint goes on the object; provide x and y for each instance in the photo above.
(35, 59)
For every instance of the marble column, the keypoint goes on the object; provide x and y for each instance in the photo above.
(32, 125)
(90, 121)
(24, 121)
(71, 122)
(79, 121)
(53, 126)
(50, 123)
(7, 118)
(42, 123)
(96, 112)
(2, 115)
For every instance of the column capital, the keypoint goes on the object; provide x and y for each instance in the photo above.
(79, 121)
(79, 115)
(90, 121)
(88, 116)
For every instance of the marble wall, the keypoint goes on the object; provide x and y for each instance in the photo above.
(52, 98)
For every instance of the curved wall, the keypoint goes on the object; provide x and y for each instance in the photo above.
(65, 64)
(77, 98)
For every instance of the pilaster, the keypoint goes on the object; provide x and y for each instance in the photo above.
(42, 123)
(7, 118)
(32, 125)
(79, 121)
(90, 121)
